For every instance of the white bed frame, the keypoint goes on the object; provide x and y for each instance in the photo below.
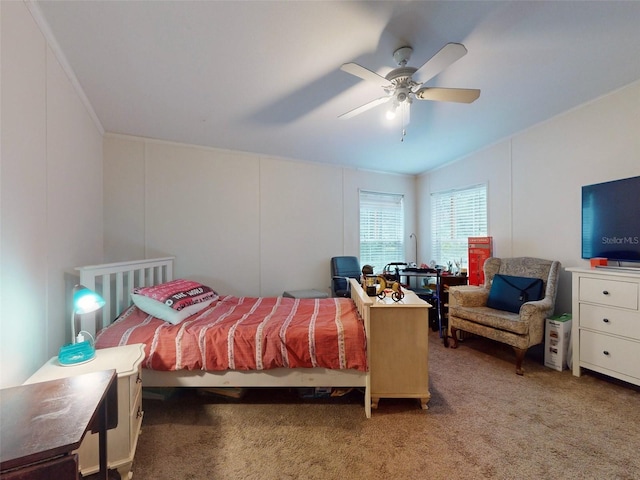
(114, 281)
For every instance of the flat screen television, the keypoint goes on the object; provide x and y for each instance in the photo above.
(611, 220)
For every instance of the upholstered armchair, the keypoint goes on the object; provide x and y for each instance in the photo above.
(521, 329)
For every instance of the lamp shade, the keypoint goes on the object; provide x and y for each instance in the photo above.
(85, 300)
(79, 350)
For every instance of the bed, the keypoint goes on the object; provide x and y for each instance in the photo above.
(115, 282)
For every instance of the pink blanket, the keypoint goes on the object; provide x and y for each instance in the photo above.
(243, 333)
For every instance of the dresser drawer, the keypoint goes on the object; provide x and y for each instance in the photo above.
(135, 388)
(610, 320)
(609, 292)
(610, 353)
(135, 423)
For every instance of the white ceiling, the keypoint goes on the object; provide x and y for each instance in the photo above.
(265, 76)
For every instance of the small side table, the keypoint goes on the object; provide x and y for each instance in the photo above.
(122, 441)
(447, 281)
(41, 424)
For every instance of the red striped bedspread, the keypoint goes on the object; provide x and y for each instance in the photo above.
(245, 333)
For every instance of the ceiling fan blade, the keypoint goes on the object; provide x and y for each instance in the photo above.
(459, 95)
(365, 74)
(441, 60)
(365, 107)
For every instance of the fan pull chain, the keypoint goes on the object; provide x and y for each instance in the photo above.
(404, 134)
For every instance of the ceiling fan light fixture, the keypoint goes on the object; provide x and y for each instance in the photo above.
(404, 84)
(391, 112)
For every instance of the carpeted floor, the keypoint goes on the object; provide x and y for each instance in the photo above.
(483, 421)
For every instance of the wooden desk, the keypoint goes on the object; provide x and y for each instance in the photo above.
(441, 294)
(447, 281)
(41, 424)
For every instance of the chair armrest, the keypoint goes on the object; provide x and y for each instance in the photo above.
(539, 308)
(535, 315)
(346, 281)
(339, 277)
(468, 296)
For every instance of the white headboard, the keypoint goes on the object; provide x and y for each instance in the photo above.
(114, 281)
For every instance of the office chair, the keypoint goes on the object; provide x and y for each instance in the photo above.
(343, 268)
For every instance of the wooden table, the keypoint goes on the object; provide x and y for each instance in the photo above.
(447, 281)
(41, 424)
(441, 294)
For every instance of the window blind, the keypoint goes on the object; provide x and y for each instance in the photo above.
(381, 229)
(457, 215)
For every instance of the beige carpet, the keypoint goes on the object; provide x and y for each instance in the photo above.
(483, 421)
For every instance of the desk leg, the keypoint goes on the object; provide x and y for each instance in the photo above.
(441, 326)
(102, 441)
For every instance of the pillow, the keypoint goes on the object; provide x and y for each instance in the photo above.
(173, 301)
(509, 293)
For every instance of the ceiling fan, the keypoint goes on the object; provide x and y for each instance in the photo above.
(404, 84)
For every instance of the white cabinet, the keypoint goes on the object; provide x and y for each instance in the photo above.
(121, 441)
(606, 322)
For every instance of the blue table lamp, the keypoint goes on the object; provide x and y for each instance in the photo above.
(80, 350)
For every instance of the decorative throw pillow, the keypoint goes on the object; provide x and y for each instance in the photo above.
(509, 293)
(173, 301)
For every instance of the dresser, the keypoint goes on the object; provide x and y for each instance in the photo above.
(121, 441)
(399, 349)
(606, 322)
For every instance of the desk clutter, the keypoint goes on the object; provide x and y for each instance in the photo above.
(430, 284)
(381, 287)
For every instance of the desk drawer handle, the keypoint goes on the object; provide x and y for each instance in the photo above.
(606, 352)
(605, 320)
(605, 292)
(139, 412)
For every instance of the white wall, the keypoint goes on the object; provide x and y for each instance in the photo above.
(51, 196)
(256, 225)
(535, 178)
(491, 167)
(245, 224)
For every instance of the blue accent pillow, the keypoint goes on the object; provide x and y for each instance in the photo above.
(509, 293)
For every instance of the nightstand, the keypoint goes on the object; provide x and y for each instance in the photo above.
(122, 441)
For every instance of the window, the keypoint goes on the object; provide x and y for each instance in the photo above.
(381, 229)
(457, 215)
